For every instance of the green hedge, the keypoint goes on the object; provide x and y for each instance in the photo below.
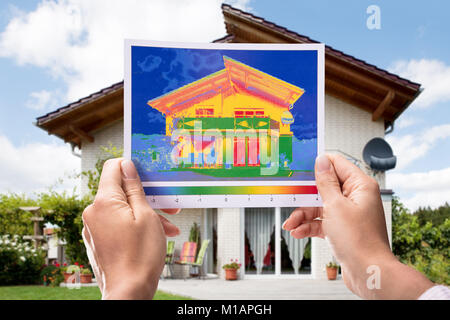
(20, 263)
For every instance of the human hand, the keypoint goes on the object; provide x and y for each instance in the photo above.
(352, 220)
(124, 237)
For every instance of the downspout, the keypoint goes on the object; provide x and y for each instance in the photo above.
(76, 154)
(390, 127)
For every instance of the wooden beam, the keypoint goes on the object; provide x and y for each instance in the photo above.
(84, 112)
(338, 68)
(383, 105)
(81, 134)
(350, 95)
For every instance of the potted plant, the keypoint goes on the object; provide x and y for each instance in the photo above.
(68, 271)
(332, 269)
(231, 269)
(65, 273)
(194, 236)
(85, 275)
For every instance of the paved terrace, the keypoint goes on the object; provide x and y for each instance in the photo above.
(270, 289)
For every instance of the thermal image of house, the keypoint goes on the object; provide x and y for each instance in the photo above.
(242, 113)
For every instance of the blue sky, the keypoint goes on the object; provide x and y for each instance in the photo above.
(54, 52)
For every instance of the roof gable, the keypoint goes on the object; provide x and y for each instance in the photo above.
(237, 77)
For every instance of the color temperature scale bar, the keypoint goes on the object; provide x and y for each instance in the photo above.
(232, 196)
(230, 190)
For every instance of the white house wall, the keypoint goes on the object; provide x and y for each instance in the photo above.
(91, 152)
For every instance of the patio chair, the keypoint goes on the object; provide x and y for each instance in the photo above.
(169, 258)
(187, 254)
(201, 258)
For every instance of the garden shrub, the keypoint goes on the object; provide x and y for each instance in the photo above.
(52, 275)
(20, 262)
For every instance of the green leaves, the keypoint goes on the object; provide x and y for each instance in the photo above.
(420, 243)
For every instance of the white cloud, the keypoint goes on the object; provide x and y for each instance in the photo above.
(41, 100)
(34, 167)
(430, 188)
(405, 122)
(81, 41)
(434, 75)
(411, 147)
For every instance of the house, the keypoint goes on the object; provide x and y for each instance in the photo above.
(248, 107)
(361, 102)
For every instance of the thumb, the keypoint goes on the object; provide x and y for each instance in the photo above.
(326, 179)
(132, 186)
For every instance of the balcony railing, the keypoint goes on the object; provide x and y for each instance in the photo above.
(228, 123)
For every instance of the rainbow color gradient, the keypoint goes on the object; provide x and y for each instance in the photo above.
(229, 190)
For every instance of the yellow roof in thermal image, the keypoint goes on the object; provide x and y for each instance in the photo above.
(236, 76)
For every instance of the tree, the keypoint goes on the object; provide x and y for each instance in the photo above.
(424, 246)
(65, 211)
(435, 216)
(14, 221)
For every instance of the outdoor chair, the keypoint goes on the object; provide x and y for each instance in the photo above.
(169, 257)
(187, 255)
(201, 258)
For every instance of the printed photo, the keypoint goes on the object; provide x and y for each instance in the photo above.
(244, 115)
(223, 114)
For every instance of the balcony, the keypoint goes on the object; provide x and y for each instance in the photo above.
(228, 123)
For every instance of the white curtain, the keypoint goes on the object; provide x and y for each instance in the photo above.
(259, 223)
(295, 246)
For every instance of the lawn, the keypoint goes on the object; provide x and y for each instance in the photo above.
(60, 293)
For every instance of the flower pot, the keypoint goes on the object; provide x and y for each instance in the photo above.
(66, 278)
(193, 271)
(332, 273)
(230, 274)
(86, 278)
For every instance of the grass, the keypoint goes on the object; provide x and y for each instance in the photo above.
(60, 293)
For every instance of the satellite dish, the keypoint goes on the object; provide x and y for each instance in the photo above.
(378, 155)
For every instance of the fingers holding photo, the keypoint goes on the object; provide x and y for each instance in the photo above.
(301, 215)
(304, 222)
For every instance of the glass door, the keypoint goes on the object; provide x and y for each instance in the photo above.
(259, 251)
(270, 250)
(295, 253)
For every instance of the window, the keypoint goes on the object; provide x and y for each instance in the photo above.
(249, 114)
(203, 112)
(259, 114)
(239, 114)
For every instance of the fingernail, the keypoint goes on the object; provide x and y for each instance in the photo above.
(283, 226)
(323, 163)
(128, 169)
